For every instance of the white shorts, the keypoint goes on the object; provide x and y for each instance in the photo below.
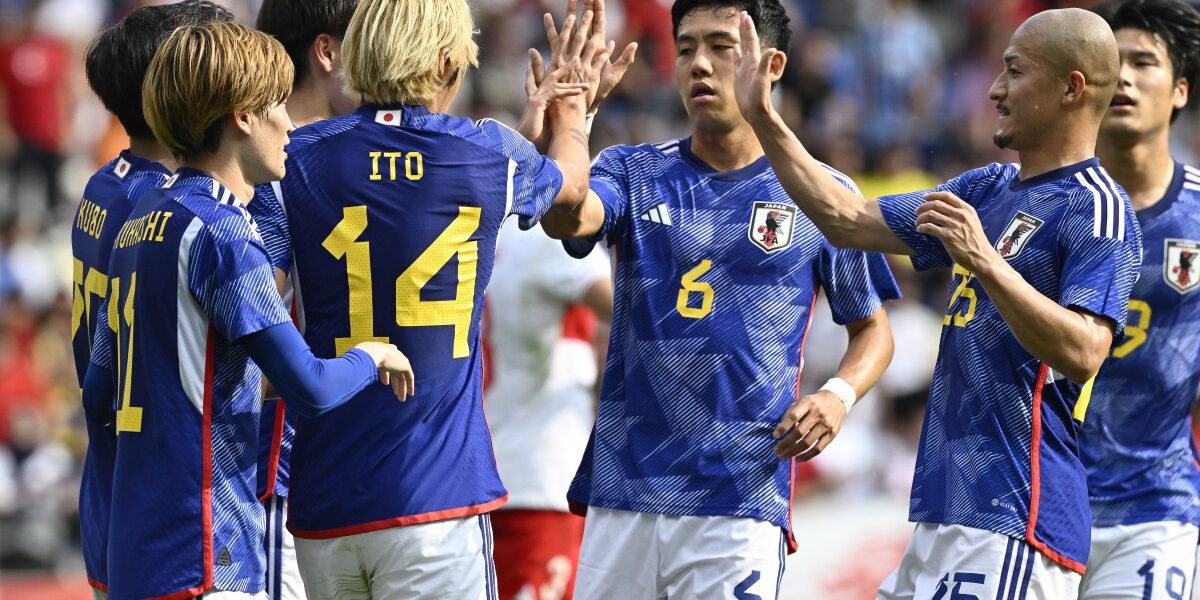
(223, 595)
(1148, 561)
(952, 561)
(447, 560)
(99, 595)
(636, 556)
(283, 574)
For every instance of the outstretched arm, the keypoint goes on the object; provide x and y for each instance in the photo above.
(811, 422)
(314, 386)
(847, 220)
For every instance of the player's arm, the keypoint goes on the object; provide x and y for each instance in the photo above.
(1073, 342)
(811, 423)
(568, 144)
(846, 220)
(315, 386)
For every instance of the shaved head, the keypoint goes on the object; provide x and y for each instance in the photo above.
(1073, 39)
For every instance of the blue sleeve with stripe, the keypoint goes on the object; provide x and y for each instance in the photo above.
(103, 338)
(900, 213)
(608, 181)
(272, 226)
(536, 179)
(856, 283)
(232, 278)
(1100, 252)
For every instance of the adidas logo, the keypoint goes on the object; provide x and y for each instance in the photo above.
(223, 559)
(658, 214)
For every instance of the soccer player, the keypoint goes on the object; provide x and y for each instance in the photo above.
(116, 65)
(687, 477)
(192, 301)
(311, 32)
(403, 204)
(1044, 254)
(540, 328)
(1137, 440)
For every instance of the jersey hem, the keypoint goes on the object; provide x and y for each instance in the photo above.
(1142, 519)
(97, 585)
(429, 517)
(659, 510)
(191, 592)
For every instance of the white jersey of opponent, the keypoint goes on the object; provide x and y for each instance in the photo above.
(541, 374)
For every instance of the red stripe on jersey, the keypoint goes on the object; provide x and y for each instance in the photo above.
(791, 536)
(96, 584)
(429, 517)
(276, 448)
(206, 472)
(1035, 480)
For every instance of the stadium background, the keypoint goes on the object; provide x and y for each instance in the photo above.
(892, 92)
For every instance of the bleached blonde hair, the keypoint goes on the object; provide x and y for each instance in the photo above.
(391, 49)
(205, 72)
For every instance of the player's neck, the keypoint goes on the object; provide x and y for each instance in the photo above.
(1143, 167)
(150, 149)
(727, 150)
(1055, 153)
(308, 104)
(223, 166)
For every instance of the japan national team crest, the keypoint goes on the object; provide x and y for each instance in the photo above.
(1016, 235)
(771, 225)
(1181, 267)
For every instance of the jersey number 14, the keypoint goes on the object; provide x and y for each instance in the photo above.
(411, 310)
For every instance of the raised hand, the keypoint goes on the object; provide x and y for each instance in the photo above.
(752, 72)
(539, 96)
(602, 73)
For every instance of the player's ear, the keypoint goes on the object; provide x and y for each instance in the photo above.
(241, 122)
(323, 51)
(443, 64)
(778, 64)
(1179, 97)
(1076, 84)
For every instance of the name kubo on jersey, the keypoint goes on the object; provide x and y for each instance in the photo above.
(999, 445)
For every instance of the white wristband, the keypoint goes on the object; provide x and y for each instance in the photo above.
(587, 123)
(844, 391)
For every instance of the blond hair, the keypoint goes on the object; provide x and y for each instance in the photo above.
(205, 72)
(392, 47)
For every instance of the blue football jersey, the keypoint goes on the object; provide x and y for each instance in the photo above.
(189, 277)
(1137, 439)
(277, 428)
(716, 275)
(393, 214)
(109, 196)
(999, 445)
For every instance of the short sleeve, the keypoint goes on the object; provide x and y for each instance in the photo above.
(609, 182)
(1098, 267)
(900, 213)
(103, 339)
(856, 283)
(268, 212)
(231, 276)
(534, 181)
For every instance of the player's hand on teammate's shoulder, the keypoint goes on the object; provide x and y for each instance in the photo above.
(394, 368)
(954, 222)
(809, 425)
(752, 72)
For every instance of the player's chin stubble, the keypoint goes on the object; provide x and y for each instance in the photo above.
(1002, 141)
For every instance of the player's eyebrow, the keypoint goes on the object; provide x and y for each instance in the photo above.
(1140, 55)
(1009, 59)
(708, 37)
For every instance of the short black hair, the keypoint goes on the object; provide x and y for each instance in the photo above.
(118, 58)
(1176, 22)
(296, 23)
(769, 16)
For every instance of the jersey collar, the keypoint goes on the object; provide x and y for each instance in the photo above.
(1160, 207)
(128, 162)
(749, 171)
(204, 183)
(1016, 184)
(391, 114)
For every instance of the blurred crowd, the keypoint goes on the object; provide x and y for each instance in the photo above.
(892, 92)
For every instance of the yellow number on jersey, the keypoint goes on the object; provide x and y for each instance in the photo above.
(411, 310)
(95, 284)
(959, 317)
(129, 417)
(690, 285)
(341, 242)
(1135, 331)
